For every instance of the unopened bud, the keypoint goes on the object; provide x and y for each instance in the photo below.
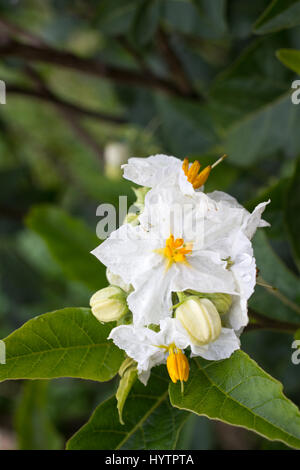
(109, 304)
(115, 154)
(200, 319)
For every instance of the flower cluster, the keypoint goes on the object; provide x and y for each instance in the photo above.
(181, 270)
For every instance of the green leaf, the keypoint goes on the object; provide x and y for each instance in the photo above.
(283, 303)
(35, 431)
(292, 213)
(198, 17)
(237, 391)
(69, 241)
(150, 421)
(280, 14)
(194, 128)
(248, 84)
(146, 21)
(271, 128)
(115, 18)
(65, 343)
(290, 58)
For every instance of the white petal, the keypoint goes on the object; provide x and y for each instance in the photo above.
(185, 186)
(173, 332)
(127, 252)
(254, 220)
(205, 272)
(222, 348)
(139, 344)
(151, 171)
(151, 300)
(116, 280)
(237, 317)
(220, 196)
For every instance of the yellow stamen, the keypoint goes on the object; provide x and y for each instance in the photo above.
(175, 251)
(177, 365)
(192, 173)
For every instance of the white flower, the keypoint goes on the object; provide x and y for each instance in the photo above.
(150, 348)
(161, 256)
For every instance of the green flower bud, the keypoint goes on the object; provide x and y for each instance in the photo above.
(140, 197)
(132, 219)
(109, 304)
(200, 319)
(221, 301)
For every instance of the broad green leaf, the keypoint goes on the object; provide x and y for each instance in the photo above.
(237, 391)
(280, 14)
(69, 241)
(297, 334)
(198, 17)
(272, 128)
(292, 213)
(64, 343)
(35, 431)
(150, 420)
(194, 128)
(146, 21)
(115, 18)
(290, 58)
(248, 84)
(283, 303)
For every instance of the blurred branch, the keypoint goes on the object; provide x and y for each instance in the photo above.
(175, 66)
(264, 323)
(277, 293)
(67, 113)
(11, 212)
(82, 133)
(52, 98)
(38, 53)
(123, 41)
(16, 30)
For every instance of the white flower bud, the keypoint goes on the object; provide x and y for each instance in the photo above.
(116, 280)
(200, 319)
(109, 304)
(115, 154)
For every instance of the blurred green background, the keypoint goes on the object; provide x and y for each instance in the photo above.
(189, 78)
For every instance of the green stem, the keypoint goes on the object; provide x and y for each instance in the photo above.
(265, 323)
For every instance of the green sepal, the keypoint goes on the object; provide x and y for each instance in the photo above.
(128, 374)
(221, 301)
